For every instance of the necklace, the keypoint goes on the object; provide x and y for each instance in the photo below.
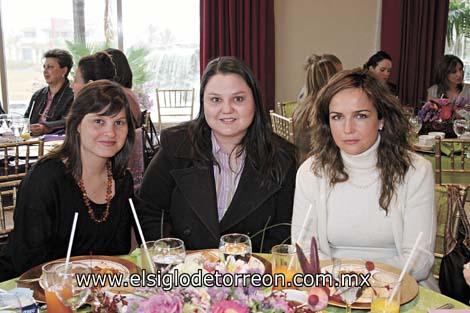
(365, 186)
(109, 191)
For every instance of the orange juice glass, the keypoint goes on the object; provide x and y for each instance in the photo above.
(383, 285)
(284, 261)
(54, 305)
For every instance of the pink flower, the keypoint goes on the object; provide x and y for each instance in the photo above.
(228, 306)
(162, 303)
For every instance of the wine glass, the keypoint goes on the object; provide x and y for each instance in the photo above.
(167, 253)
(459, 126)
(235, 247)
(67, 288)
(416, 125)
(348, 293)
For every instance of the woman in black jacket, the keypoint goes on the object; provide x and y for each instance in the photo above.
(224, 172)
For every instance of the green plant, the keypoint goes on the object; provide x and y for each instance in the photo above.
(458, 22)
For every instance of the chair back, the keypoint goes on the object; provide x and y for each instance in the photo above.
(286, 108)
(16, 158)
(8, 191)
(151, 139)
(459, 154)
(283, 126)
(176, 103)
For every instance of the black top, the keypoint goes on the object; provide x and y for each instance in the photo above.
(178, 195)
(60, 106)
(47, 199)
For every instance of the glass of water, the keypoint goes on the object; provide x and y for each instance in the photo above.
(167, 253)
(461, 127)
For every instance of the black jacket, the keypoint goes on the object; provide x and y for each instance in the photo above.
(181, 190)
(60, 106)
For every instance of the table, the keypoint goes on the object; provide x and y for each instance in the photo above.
(426, 298)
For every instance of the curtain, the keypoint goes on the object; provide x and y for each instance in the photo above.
(244, 29)
(423, 32)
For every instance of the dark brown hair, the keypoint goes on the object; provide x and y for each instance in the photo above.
(447, 65)
(393, 154)
(97, 66)
(64, 58)
(93, 98)
(258, 143)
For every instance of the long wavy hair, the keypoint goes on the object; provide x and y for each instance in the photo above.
(394, 157)
(447, 65)
(258, 143)
(319, 71)
(93, 98)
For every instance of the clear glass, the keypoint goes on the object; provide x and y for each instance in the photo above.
(462, 128)
(348, 294)
(235, 247)
(48, 279)
(416, 125)
(146, 256)
(167, 253)
(66, 288)
(386, 298)
(284, 261)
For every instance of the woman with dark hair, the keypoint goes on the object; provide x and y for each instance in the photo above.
(381, 65)
(124, 77)
(224, 172)
(449, 80)
(86, 174)
(49, 105)
(93, 67)
(319, 71)
(370, 195)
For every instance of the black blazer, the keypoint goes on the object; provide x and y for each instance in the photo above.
(178, 198)
(60, 106)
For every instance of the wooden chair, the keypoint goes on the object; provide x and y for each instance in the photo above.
(286, 108)
(18, 158)
(151, 139)
(283, 126)
(443, 204)
(175, 103)
(459, 154)
(8, 191)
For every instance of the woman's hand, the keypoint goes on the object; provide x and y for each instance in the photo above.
(39, 129)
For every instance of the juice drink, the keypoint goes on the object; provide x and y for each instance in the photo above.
(288, 275)
(53, 303)
(380, 305)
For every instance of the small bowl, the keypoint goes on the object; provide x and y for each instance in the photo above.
(436, 134)
(426, 140)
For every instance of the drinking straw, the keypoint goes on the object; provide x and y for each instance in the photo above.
(32, 108)
(141, 234)
(72, 234)
(405, 268)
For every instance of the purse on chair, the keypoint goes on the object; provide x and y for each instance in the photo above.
(456, 247)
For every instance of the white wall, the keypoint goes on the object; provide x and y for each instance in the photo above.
(346, 28)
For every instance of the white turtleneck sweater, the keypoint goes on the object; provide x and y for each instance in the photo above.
(347, 221)
(356, 225)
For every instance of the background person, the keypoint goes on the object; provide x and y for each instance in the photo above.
(86, 174)
(370, 194)
(50, 105)
(224, 172)
(320, 70)
(381, 65)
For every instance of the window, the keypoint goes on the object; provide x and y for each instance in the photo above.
(161, 40)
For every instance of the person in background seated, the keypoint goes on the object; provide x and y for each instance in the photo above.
(310, 60)
(449, 80)
(49, 105)
(124, 77)
(320, 70)
(224, 172)
(93, 67)
(370, 194)
(381, 65)
(86, 174)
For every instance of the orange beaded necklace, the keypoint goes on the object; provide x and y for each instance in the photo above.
(109, 191)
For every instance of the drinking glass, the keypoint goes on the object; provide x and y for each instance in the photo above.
(383, 285)
(459, 127)
(235, 247)
(146, 256)
(416, 125)
(349, 294)
(284, 261)
(167, 253)
(48, 279)
(66, 287)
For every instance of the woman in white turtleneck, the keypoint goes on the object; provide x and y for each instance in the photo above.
(370, 195)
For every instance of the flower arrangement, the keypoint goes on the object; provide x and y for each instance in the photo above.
(442, 109)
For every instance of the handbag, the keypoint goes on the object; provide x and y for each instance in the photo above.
(456, 246)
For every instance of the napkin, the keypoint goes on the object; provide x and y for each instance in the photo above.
(8, 300)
